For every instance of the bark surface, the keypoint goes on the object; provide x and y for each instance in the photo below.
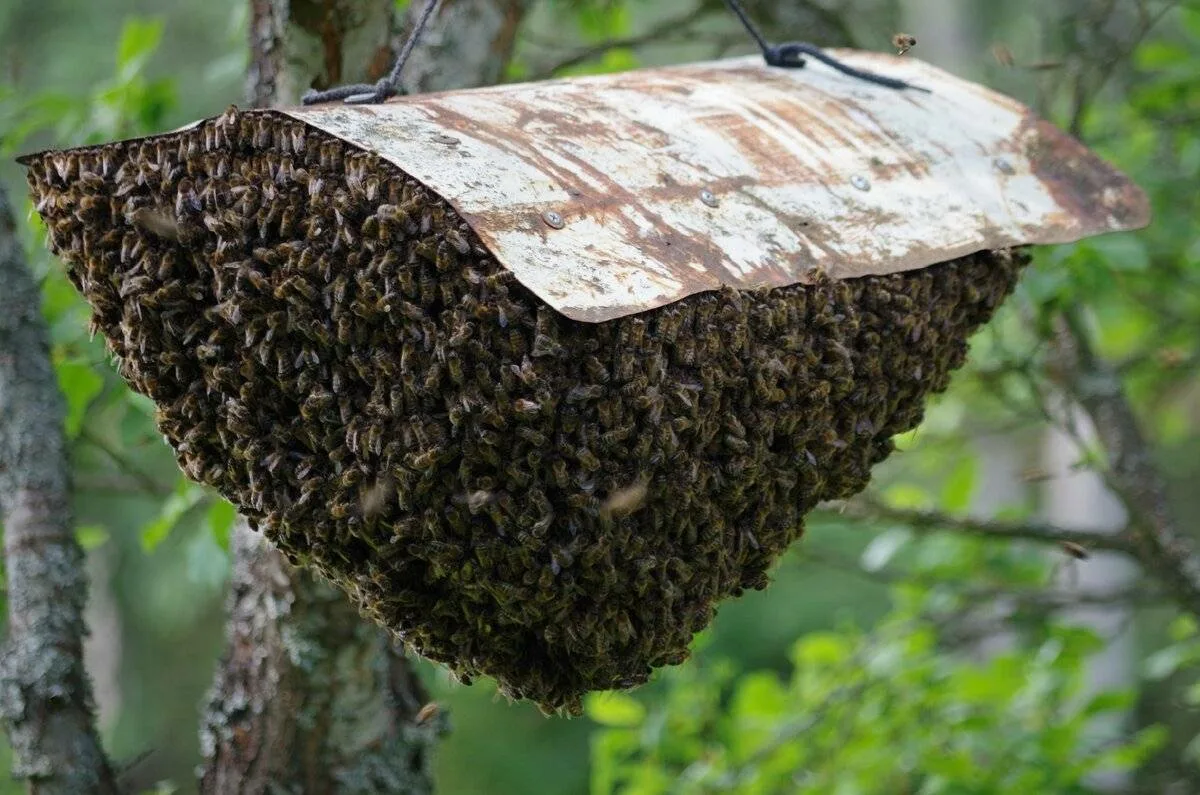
(310, 697)
(45, 696)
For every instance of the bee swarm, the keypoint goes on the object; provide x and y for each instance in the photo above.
(554, 503)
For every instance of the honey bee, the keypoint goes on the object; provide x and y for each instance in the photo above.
(624, 501)
(156, 222)
(1003, 55)
(427, 713)
(526, 407)
(903, 42)
(1076, 551)
(455, 238)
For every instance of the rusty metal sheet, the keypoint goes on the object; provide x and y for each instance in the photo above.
(667, 182)
(616, 194)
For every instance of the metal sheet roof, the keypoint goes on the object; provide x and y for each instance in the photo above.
(667, 182)
(620, 193)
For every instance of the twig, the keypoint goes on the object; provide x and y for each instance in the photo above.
(1154, 537)
(1095, 385)
(1101, 72)
(45, 697)
(667, 28)
(148, 483)
(1048, 598)
(936, 521)
(113, 485)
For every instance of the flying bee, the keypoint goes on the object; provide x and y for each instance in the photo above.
(1003, 55)
(427, 713)
(903, 42)
(624, 501)
(1076, 551)
(1035, 475)
(156, 222)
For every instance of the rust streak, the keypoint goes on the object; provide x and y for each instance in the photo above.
(676, 180)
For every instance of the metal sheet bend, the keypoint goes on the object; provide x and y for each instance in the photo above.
(617, 194)
(667, 182)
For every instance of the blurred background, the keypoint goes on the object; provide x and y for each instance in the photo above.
(1067, 670)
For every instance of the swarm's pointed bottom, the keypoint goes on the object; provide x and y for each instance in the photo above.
(558, 504)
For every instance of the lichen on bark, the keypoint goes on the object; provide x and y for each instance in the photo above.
(45, 696)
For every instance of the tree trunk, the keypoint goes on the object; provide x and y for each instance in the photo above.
(45, 695)
(310, 697)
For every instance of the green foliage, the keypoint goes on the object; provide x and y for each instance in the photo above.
(847, 710)
(1181, 659)
(125, 105)
(901, 707)
(886, 711)
(185, 497)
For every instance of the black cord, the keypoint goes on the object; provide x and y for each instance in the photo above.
(374, 93)
(790, 55)
(787, 56)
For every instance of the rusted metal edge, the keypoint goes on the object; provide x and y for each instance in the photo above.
(616, 194)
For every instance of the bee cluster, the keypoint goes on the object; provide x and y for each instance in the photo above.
(557, 504)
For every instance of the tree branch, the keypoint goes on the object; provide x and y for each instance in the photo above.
(804, 20)
(469, 43)
(1047, 599)
(45, 696)
(311, 697)
(656, 34)
(1096, 386)
(1153, 535)
(146, 482)
(935, 521)
(1115, 52)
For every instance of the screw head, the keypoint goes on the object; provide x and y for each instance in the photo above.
(708, 198)
(1003, 166)
(860, 182)
(553, 220)
(446, 139)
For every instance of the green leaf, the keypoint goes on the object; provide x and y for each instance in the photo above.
(820, 648)
(1131, 755)
(759, 694)
(1163, 663)
(61, 301)
(598, 22)
(960, 485)
(614, 709)
(1155, 55)
(91, 536)
(207, 562)
(1182, 628)
(80, 385)
(907, 496)
(1125, 252)
(139, 40)
(1192, 751)
(1112, 701)
(174, 508)
(220, 517)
